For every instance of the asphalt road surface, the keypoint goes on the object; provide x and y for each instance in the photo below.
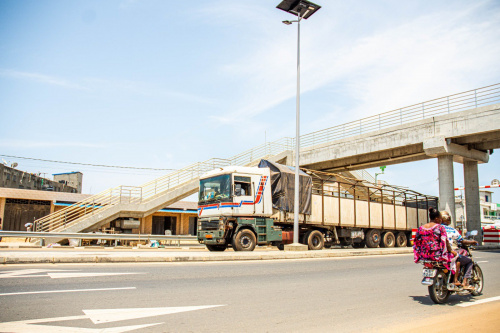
(376, 293)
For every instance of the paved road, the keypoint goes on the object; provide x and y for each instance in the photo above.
(336, 294)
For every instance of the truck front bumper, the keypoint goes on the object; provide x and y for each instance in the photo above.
(211, 237)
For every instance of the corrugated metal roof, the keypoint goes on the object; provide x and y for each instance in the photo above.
(15, 193)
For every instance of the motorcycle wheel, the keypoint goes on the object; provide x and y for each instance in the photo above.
(477, 280)
(438, 292)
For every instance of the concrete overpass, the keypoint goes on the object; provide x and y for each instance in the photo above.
(464, 127)
(466, 137)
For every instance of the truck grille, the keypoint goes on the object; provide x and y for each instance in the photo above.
(210, 225)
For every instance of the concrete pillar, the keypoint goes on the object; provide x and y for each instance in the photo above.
(446, 186)
(2, 212)
(472, 205)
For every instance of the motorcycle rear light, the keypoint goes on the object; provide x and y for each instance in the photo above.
(428, 265)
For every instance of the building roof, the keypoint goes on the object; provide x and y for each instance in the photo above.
(66, 173)
(185, 205)
(15, 193)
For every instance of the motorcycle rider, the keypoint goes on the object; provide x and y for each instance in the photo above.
(454, 239)
(431, 242)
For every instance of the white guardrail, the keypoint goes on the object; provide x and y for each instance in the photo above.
(141, 194)
(102, 236)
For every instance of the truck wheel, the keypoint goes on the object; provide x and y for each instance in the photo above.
(216, 248)
(372, 238)
(388, 239)
(401, 240)
(314, 240)
(244, 240)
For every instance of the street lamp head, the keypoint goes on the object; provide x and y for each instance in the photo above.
(302, 8)
(287, 22)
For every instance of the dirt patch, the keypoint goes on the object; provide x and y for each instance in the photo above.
(478, 318)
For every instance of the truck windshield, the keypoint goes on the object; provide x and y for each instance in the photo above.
(215, 189)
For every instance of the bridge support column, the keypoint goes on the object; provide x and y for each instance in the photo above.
(472, 205)
(446, 185)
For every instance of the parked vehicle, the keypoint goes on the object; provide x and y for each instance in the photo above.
(440, 280)
(243, 207)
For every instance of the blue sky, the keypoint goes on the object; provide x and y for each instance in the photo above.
(164, 84)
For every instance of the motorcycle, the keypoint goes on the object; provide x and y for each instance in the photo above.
(440, 280)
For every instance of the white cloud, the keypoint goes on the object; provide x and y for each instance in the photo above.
(26, 144)
(431, 56)
(42, 78)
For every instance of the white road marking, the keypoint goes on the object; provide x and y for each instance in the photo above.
(480, 301)
(64, 291)
(16, 327)
(482, 261)
(79, 275)
(25, 272)
(97, 316)
(109, 315)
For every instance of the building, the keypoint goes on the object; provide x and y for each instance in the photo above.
(20, 206)
(14, 178)
(490, 211)
(72, 179)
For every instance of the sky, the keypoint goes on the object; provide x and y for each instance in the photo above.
(163, 84)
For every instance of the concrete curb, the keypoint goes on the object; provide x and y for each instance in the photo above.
(50, 256)
(46, 256)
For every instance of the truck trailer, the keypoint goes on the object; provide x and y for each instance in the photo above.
(242, 207)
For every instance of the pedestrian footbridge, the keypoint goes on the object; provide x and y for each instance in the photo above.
(463, 127)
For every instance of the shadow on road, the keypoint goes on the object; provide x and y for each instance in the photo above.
(452, 301)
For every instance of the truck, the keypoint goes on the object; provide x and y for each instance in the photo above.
(242, 207)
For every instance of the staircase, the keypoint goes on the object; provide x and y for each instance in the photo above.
(140, 201)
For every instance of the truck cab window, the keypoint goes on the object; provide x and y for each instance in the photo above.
(242, 186)
(215, 189)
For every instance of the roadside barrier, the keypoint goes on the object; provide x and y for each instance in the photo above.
(99, 236)
(491, 236)
(413, 233)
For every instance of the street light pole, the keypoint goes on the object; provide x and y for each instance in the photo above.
(296, 204)
(302, 9)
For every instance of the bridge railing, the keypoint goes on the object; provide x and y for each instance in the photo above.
(436, 107)
(151, 190)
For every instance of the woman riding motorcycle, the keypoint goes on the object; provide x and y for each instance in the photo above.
(431, 242)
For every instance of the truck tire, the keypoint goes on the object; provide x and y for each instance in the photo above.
(372, 238)
(244, 240)
(216, 248)
(388, 239)
(314, 240)
(401, 240)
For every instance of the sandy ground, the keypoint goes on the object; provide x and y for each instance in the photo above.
(482, 318)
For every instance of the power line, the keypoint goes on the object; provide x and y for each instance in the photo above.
(95, 165)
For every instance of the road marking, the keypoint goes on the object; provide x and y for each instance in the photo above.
(24, 273)
(16, 327)
(64, 291)
(109, 315)
(482, 261)
(54, 274)
(97, 316)
(78, 275)
(480, 301)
